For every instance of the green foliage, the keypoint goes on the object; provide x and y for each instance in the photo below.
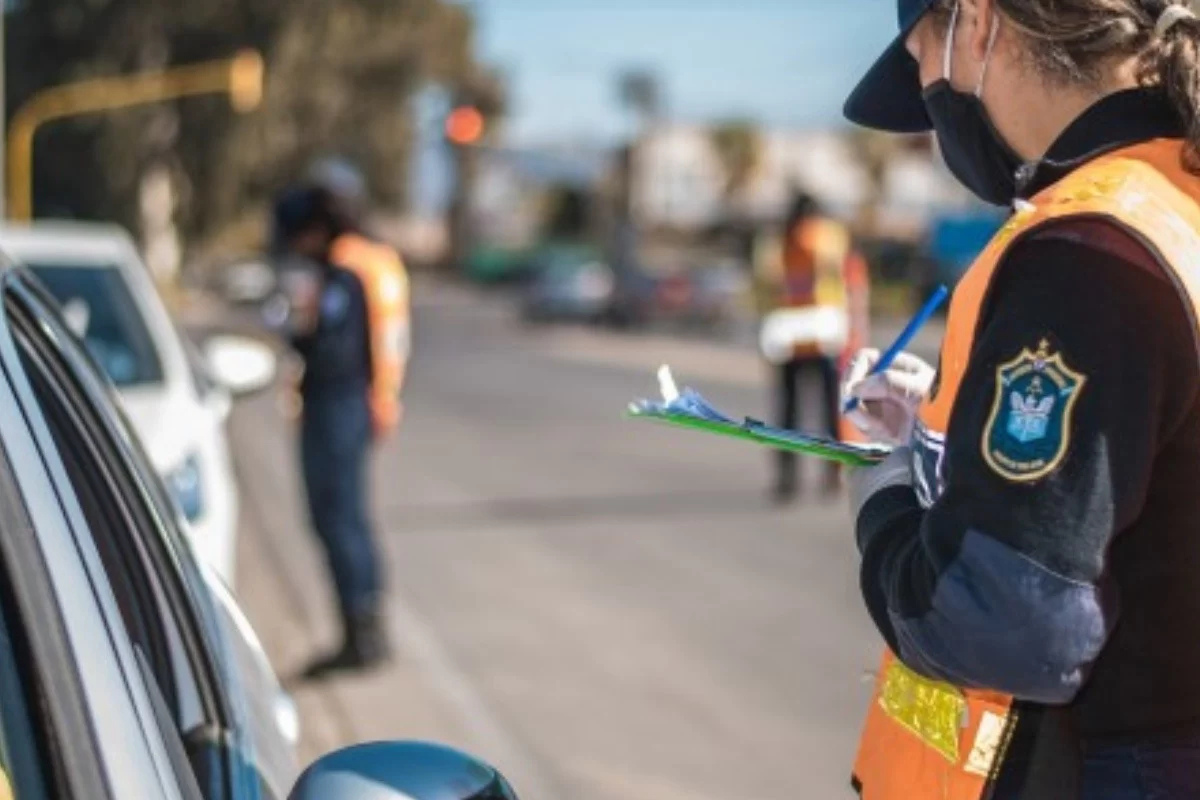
(339, 77)
(567, 213)
(739, 145)
(639, 91)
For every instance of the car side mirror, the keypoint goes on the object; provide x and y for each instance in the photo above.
(240, 364)
(401, 771)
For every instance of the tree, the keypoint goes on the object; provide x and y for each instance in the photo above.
(340, 74)
(639, 91)
(739, 146)
(876, 151)
(568, 211)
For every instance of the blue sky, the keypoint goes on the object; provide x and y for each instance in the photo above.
(785, 62)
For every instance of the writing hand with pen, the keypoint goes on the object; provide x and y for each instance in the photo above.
(892, 384)
(881, 395)
(883, 404)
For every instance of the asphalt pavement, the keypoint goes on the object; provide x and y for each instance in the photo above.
(607, 609)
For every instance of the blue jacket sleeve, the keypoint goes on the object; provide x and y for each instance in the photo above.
(1002, 582)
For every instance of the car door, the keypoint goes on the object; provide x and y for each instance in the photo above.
(174, 614)
(81, 687)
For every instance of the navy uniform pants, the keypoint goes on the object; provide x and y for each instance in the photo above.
(335, 443)
(790, 375)
(1167, 769)
(1143, 772)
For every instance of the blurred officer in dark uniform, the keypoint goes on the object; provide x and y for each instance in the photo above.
(348, 322)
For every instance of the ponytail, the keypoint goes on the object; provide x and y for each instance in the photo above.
(1173, 62)
(1078, 42)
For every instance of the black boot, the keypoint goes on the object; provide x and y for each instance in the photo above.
(371, 644)
(364, 647)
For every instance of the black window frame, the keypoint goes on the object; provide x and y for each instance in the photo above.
(160, 540)
(65, 739)
(104, 502)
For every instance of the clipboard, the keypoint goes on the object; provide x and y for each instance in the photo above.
(688, 409)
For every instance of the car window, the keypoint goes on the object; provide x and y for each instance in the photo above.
(119, 522)
(100, 307)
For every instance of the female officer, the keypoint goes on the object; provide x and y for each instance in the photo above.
(1031, 550)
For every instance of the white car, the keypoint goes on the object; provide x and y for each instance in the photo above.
(177, 409)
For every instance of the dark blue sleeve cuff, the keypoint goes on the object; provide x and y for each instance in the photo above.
(885, 510)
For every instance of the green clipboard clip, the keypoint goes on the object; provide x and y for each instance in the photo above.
(688, 409)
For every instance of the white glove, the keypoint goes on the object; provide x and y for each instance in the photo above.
(887, 402)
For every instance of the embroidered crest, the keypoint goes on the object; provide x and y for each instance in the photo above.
(1029, 430)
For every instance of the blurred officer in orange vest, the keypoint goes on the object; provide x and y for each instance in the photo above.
(1030, 550)
(815, 298)
(350, 326)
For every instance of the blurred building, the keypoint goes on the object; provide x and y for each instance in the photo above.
(680, 180)
(511, 183)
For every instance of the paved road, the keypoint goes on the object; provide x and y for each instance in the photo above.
(609, 610)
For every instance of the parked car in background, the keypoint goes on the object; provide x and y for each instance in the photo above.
(126, 669)
(177, 407)
(494, 265)
(635, 298)
(704, 298)
(569, 284)
(719, 293)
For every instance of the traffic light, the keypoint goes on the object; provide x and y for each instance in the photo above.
(464, 125)
(246, 81)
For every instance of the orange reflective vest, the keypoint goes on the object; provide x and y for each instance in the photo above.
(820, 267)
(926, 739)
(385, 285)
(814, 264)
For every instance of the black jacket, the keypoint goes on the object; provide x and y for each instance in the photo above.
(337, 354)
(1080, 589)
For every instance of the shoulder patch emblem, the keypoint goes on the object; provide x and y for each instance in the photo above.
(1029, 430)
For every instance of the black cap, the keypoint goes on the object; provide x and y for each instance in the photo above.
(888, 98)
(303, 207)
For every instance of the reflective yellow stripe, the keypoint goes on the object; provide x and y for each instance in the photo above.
(935, 712)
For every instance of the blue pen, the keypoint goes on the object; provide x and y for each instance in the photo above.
(906, 336)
